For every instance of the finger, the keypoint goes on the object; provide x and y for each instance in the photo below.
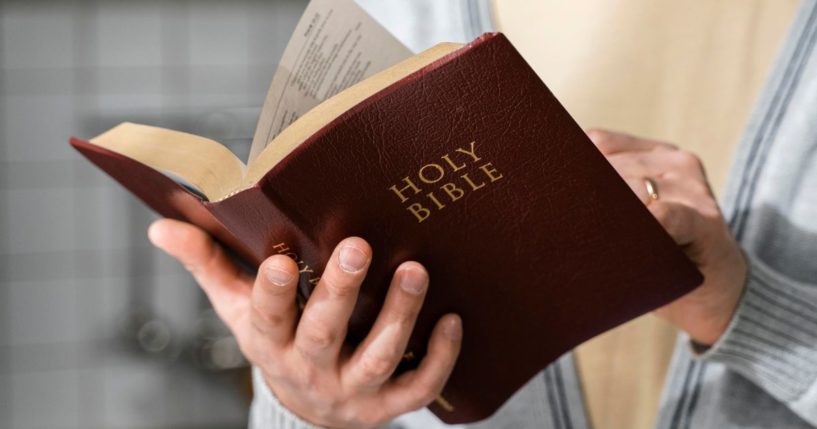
(322, 328)
(416, 389)
(639, 188)
(227, 287)
(656, 164)
(274, 309)
(682, 222)
(642, 164)
(609, 142)
(379, 354)
(689, 192)
(670, 188)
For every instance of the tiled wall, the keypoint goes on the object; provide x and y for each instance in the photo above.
(74, 260)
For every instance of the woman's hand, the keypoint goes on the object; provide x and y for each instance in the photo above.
(685, 206)
(302, 355)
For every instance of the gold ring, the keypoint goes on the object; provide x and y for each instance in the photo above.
(652, 188)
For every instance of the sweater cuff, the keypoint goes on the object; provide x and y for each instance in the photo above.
(269, 413)
(772, 338)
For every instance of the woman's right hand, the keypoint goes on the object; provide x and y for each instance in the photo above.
(302, 356)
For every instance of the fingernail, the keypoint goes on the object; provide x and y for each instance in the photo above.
(413, 281)
(453, 329)
(352, 259)
(278, 276)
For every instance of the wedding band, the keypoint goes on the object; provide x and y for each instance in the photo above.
(652, 188)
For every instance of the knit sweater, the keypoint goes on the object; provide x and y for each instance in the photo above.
(762, 373)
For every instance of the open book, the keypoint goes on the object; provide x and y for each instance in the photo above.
(334, 46)
(458, 157)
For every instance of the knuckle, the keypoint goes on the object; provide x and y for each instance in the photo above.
(263, 319)
(664, 146)
(404, 315)
(699, 188)
(338, 287)
(376, 366)
(671, 146)
(319, 338)
(688, 160)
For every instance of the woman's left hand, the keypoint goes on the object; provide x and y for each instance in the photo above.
(682, 201)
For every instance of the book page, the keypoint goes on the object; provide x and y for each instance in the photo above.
(335, 45)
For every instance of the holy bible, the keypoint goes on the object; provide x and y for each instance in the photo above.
(459, 158)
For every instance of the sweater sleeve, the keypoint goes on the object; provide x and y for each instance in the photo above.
(267, 412)
(772, 339)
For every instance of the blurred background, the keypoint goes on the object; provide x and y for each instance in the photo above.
(97, 328)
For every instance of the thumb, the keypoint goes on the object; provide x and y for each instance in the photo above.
(227, 287)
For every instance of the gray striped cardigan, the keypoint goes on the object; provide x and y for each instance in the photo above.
(763, 371)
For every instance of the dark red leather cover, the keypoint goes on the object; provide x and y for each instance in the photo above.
(551, 254)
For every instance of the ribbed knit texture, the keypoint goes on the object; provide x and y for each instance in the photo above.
(772, 339)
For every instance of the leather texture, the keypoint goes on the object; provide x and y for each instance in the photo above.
(553, 253)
